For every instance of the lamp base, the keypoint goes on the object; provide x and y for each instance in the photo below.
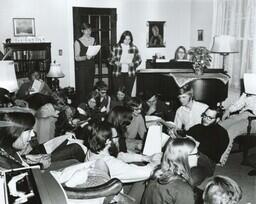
(55, 84)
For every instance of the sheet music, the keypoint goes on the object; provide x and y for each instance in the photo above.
(36, 86)
(93, 50)
(153, 143)
(249, 83)
(126, 58)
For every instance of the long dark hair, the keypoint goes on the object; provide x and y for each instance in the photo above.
(21, 121)
(85, 26)
(100, 133)
(177, 50)
(120, 117)
(124, 34)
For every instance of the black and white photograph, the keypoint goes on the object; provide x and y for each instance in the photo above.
(156, 34)
(24, 26)
(200, 35)
(128, 102)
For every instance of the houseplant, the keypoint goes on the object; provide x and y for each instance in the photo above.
(201, 58)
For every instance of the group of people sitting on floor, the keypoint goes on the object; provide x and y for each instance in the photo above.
(105, 137)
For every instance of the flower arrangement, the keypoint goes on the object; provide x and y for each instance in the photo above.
(201, 58)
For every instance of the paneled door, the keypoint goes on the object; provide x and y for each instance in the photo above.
(103, 22)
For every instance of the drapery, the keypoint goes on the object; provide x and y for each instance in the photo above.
(236, 18)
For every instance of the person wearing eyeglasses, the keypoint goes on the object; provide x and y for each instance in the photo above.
(104, 103)
(213, 140)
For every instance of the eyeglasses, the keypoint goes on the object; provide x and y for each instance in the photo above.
(194, 154)
(207, 117)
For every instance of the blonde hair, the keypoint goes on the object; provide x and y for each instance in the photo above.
(222, 190)
(175, 161)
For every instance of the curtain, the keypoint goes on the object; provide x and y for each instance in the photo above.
(236, 18)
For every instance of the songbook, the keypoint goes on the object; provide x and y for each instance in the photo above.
(93, 50)
(36, 86)
(126, 58)
(153, 143)
(249, 83)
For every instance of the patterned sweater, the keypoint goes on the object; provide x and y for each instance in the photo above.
(116, 57)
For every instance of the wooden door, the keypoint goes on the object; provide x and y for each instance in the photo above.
(103, 22)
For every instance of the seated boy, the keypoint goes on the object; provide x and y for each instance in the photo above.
(190, 111)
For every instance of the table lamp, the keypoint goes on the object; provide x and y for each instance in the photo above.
(224, 45)
(8, 79)
(55, 73)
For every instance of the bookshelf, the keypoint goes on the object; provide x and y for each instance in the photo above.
(28, 57)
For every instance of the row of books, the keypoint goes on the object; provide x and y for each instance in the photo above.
(26, 66)
(29, 54)
(25, 75)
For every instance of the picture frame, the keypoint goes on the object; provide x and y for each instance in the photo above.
(200, 35)
(155, 36)
(24, 27)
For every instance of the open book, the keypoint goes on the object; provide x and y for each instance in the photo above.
(155, 140)
(36, 86)
(152, 120)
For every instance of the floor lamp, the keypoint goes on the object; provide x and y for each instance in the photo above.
(224, 45)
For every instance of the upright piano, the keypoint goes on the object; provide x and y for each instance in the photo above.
(210, 88)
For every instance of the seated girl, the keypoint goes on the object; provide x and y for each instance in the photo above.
(91, 108)
(120, 98)
(180, 54)
(13, 123)
(172, 183)
(136, 130)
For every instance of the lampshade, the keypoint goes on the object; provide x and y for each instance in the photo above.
(224, 44)
(55, 71)
(8, 79)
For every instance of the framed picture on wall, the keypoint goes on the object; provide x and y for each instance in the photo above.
(155, 34)
(200, 35)
(24, 27)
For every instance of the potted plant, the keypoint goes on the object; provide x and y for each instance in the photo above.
(201, 58)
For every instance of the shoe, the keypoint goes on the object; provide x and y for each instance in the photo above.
(252, 172)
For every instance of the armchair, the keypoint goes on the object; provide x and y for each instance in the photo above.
(108, 189)
(247, 141)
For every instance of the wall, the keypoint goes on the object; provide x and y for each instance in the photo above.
(54, 21)
(134, 14)
(201, 18)
(50, 22)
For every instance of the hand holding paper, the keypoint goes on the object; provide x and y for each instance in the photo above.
(126, 58)
(92, 51)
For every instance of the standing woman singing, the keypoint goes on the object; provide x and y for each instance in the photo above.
(85, 66)
(125, 59)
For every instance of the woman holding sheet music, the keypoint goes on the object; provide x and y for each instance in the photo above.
(85, 66)
(125, 59)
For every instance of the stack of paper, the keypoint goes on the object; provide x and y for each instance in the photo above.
(153, 143)
(93, 50)
(36, 86)
(126, 58)
(249, 83)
